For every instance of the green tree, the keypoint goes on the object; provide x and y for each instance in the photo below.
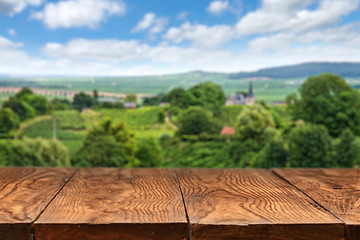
(60, 104)
(150, 152)
(8, 121)
(120, 150)
(178, 97)
(272, 155)
(195, 121)
(328, 100)
(95, 95)
(21, 108)
(345, 154)
(33, 152)
(310, 146)
(82, 101)
(208, 95)
(130, 98)
(39, 103)
(151, 101)
(49, 153)
(99, 151)
(252, 123)
(23, 93)
(161, 116)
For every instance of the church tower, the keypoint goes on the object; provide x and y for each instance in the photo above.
(250, 99)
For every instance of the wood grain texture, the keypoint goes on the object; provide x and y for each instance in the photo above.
(116, 204)
(252, 204)
(338, 190)
(24, 194)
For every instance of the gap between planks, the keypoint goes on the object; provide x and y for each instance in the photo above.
(51, 200)
(303, 192)
(183, 200)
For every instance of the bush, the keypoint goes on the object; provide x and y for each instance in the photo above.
(345, 153)
(150, 152)
(9, 121)
(109, 144)
(195, 121)
(35, 152)
(253, 122)
(310, 146)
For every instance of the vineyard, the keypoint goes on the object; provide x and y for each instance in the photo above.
(228, 114)
(136, 119)
(69, 119)
(43, 127)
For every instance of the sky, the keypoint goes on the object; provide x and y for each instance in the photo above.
(138, 37)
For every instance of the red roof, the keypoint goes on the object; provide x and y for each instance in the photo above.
(227, 131)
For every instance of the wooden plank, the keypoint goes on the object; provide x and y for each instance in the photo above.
(252, 204)
(24, 194)
(338, 190)
(116, 204)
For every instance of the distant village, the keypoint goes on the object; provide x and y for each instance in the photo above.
(240, 98)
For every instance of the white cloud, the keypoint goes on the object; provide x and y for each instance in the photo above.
(201, 35)
(79, 13)
(115, 57)
(151, 22)
(11, 7)
(182, 15)
(293, 16)
(145, 23)
(217, 7)
(12, 32)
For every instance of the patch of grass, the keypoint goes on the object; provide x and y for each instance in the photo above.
(72, 145)
(136, 119)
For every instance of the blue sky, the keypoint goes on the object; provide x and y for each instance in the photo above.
(121, 37)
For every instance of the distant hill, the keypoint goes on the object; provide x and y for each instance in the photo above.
(344, 69)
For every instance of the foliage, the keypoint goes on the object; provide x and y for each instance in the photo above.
(49, 153)
(179, 97)
(35, 152)
(272, 155)
(150, 152)
(210, 154)
(161, 116)
(253, 122)
(43, 126)
(60, 104)
(195, 121)
(119, 105)
(208, 95)
(328, 100)
(69, 119)
(24, 92)
(228, 114)
(140, 118)
(130, 98)
(155, 101)
(21, 108)
(9, 121)
(82, 101)
(109, 143)
(310, 146)
(345, 153)
(99, 151)
(39, 103)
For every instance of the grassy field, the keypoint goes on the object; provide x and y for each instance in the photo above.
(135, 119)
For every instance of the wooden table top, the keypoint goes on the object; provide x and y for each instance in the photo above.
(110, 203)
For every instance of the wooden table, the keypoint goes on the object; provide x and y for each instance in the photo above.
(109, 203)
